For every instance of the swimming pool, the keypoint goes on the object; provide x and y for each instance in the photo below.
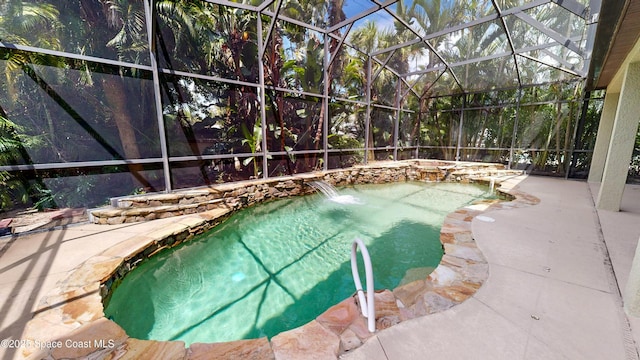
(278, 265)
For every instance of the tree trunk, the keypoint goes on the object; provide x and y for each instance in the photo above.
(115, 95)
(559, 121)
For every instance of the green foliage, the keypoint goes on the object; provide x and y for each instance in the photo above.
(343, 141)
(13, 187)
(12, 190)
(221, 41)
(77, 191)
(208, 38)
(46, 201)
(254, 140)
(634, 168)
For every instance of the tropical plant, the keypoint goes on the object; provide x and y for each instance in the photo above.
(13, 188)
(130, 41)
(31, 24)
(253, 139)
(216, 40)
(122, 18)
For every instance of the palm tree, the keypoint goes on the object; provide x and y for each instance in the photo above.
(24, 23)
(207, 38)
(300, 66)
(336, 15)
(210, 39)
(131, 40)
(429, 17)
(125, 19)
(366, 40)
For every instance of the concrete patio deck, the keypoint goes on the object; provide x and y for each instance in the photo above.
(552, 291)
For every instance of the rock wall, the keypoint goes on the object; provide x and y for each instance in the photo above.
(237, 195)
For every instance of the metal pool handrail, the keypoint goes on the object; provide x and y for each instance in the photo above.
(366, 305)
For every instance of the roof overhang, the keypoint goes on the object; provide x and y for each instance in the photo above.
(616, 42)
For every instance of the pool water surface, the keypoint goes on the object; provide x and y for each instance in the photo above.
(276, 266)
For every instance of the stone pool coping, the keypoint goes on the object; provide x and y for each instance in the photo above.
(72, 314)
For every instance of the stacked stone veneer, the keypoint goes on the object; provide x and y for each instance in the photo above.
(237, 195)
(71, 316)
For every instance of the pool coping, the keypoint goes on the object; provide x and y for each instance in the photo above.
(73, 312)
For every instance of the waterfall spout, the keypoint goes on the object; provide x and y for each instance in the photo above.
(325, 188)
(331, 193)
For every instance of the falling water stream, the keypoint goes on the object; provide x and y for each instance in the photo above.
(332, 193)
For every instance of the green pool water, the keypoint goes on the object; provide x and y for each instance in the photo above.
(278, 265)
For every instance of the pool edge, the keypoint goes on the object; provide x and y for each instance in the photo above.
(73, 311)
